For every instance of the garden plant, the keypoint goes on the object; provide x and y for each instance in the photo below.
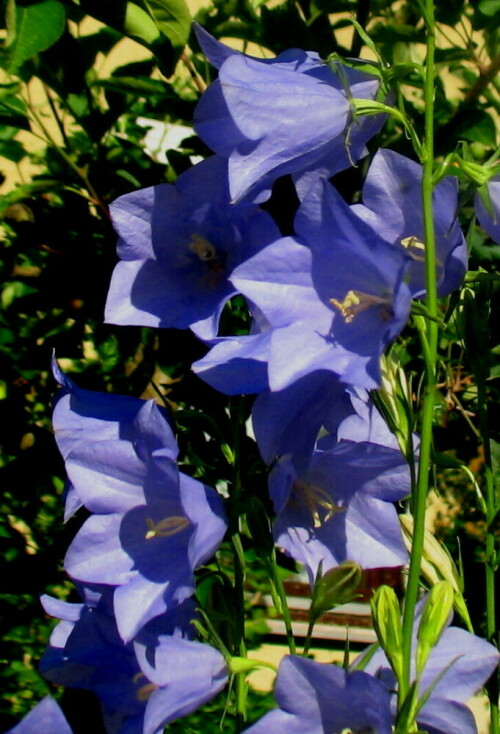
(268, 345)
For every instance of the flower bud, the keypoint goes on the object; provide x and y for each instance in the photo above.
(336, 586)
(394, 402)
(437, 565)
(386, 616)
(437, 609)
(478, 173)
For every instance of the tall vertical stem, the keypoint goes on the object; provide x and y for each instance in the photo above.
(239, 566)
(491, 622)
(429, 337)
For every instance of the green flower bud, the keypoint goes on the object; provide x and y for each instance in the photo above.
(386, 616)
(478, 173)
(337, 586)
(437, 565)
(393, 400)
(435, 614)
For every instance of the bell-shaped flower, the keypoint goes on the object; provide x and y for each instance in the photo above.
(141, 685)
(341, 507)
(332, 303)
(287, 422)
(153, 526)
(392, 205)
(458, 666)
(487, 205)
(236, 365)
(178, 245)
(168, 525)
(288, 115)
(45, 718)
(321, 699)
(101, 423)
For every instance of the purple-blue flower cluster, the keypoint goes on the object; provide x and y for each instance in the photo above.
(131, 640)
(324, 303)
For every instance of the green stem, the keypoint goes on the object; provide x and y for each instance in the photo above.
(308, 640)
(285, 610)
(429, 333)
(239, 583)
(48, 140)
(491, 626)
(239, 565)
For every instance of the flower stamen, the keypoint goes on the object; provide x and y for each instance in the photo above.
(411, 244)
(167, 526)
(356, 302)
(203, 248)
(315, 498)
(143, 692)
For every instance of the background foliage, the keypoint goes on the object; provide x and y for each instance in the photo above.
(58, 251)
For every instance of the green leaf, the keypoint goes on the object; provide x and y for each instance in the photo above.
(126, 17)
(132, 85)
(138, 24)
(12, 150)
(13, 111)
(489, 7)
(14, 290)
(478, 126)
(173, 19)
(37, 27)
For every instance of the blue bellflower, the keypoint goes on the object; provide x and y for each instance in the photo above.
(82, 416)
(178, 245)
(334, 297)
(489, 216)
(392, 205)
(288, 115)
(163, 675)
(324, 699)
(341, 507)
(287, 422)
(468, 661)
(45, 718)
(152, 526)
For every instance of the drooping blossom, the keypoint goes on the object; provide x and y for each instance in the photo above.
(325, 699)
(178, 245)
(82, 417)
(45, 718)
(287, 422)
(462, 662)
(288, 115)
(392, 205)
(236, 365)
(489, 213)
(333, 297)
(163, 675)
(152, 525)
(341, 506)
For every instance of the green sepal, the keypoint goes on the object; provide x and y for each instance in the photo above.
(337, 586)
(246, 665)
(435, 614)
(386, 616)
